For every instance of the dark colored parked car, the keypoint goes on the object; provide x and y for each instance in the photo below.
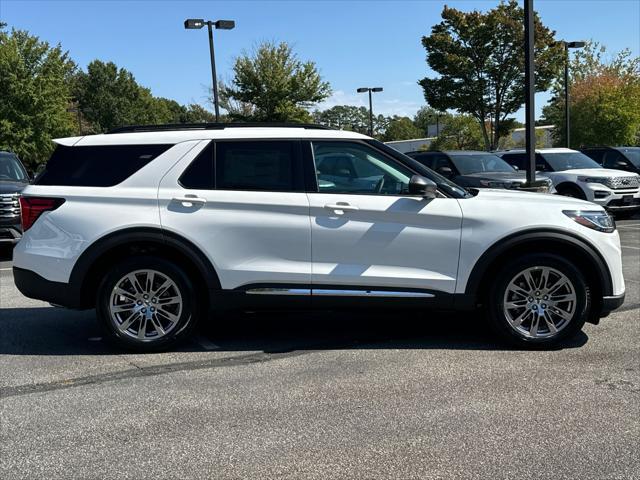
(479, 170)
(618, 158)
(13, 179)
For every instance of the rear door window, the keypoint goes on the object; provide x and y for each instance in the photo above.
(261, 165)
(97, 166)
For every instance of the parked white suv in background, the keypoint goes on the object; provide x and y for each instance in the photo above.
(157, 226)
(576, 175)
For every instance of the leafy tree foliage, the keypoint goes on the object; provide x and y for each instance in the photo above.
(427, 116)
(480, 61)
(461, 132)
(272, 84)
(401, 128)
(350, 117)
(604, 99)
(34, 95)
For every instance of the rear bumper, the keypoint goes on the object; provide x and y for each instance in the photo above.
(34, 286)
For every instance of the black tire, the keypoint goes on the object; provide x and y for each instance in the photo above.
(571, 191)
(187, 320)
(496, 297)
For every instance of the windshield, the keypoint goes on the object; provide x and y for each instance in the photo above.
(633, 154)
(481, 162)
(569, 161)
(11, 169)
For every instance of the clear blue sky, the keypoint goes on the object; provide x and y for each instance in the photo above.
(354, 43)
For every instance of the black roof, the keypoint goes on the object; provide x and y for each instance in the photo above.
(211, 126)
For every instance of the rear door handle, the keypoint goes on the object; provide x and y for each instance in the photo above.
(341, 207)
(189, 201)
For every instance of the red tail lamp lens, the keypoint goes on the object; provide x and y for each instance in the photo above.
(32, 207)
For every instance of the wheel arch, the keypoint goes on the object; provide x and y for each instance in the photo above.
(579, 250)
(567, 185)
(97, 258)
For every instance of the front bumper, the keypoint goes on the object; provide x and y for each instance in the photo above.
(611, 303)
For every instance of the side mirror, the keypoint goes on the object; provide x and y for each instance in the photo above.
(515, 167)
(621, 165)
(445, 171)
(419, 185)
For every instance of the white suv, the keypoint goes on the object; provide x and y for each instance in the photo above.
(576, 175)
(157, 227)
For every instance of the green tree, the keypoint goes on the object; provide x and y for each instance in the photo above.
(480, 61)
(273, 85)
(461, 132)
(401, 128)
(604, 99)
(110, 97)
(351, 117)
(34, 95)
(427, 116)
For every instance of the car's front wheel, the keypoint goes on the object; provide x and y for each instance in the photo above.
(147, 304)
(539, 300)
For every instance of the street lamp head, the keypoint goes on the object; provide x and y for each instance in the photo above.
(575, 44)
(194, 23)
(362, 90)
(376, 89)
(225, 24)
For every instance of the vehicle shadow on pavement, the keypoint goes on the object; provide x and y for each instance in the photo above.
(55, 331)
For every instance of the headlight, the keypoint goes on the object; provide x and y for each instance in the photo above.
(594, 219)
(601, 180)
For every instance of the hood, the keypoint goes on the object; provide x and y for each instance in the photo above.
(539, 199)
(502, 176)
(600, 172)
(11, 187)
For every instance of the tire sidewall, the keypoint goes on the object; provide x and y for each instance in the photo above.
(497, 318)
(188, 317)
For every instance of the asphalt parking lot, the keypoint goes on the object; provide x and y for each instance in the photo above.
(329, 395)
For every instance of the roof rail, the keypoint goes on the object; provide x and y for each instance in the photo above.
(211, 126)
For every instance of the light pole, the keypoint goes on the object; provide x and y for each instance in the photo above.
(198, 23)
(437, 115)
(567, 46)
(370, 89)
(529, 89)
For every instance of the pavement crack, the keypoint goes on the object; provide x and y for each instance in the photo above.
(137, 372)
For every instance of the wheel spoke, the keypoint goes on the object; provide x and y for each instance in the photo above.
(549, 321)
(521, 318)
(127, 323)
(168, 300)
(530, 281)
(533, 329)
(123, 307)
(123, 293)
(170, 316)
(555, 299)
(516, 304)
(544, 278)
(157, 325)
(134, 283)
(142, 331)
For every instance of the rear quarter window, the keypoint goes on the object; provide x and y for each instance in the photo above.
(97, 166)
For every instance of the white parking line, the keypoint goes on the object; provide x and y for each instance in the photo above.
(4, 269)
(630, 225)
(629, 246)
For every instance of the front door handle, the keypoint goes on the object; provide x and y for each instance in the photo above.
(341, 207)
(189, 200)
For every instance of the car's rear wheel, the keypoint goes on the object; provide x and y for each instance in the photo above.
(147, 304)
(539, 300)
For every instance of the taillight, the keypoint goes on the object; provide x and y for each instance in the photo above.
(32, 207)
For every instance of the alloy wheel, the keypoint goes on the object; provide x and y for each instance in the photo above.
(539, 302)
(145, 305)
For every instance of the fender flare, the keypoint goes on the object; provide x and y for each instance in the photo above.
(531, 236)
(95, 251)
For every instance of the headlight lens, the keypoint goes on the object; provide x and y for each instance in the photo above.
(593, 219)
(601, 180)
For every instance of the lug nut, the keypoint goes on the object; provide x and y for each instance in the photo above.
(144, 310)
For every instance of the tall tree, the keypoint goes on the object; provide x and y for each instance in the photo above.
(110, 97)
(461, 132)
(351, 117)
(401, 128)
(34, 95)
(272, 84)
(480, 61)
(604, 99)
